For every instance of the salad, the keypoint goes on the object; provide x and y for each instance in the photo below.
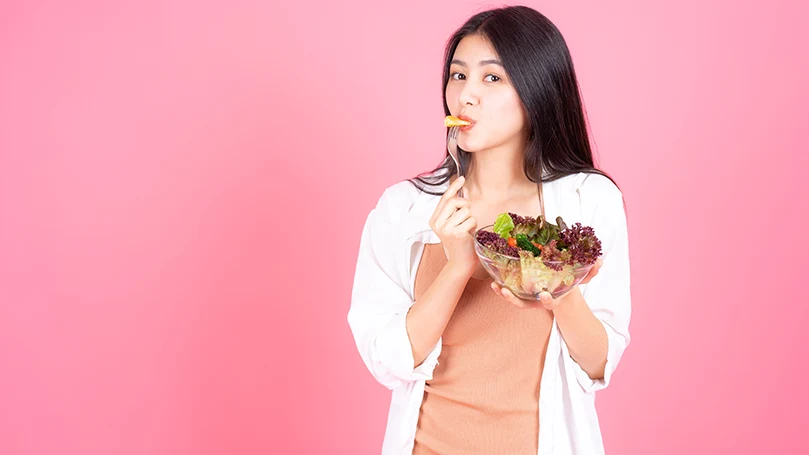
(530, 255)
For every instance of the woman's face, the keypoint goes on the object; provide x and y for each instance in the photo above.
(480, 91)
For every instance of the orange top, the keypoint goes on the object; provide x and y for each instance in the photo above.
(484, 395)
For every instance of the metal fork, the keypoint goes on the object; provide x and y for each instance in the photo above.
(452, 148)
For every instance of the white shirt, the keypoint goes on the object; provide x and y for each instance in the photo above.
(391, 245)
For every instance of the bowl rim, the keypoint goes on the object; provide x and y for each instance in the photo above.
(511, 258)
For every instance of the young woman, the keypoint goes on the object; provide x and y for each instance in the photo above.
(474, 369)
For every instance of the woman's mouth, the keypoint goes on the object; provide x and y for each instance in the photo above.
(466, 127)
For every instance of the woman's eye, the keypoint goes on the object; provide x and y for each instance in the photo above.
(491, 78)
(458, 76)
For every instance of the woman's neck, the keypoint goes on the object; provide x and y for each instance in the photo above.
(497, 175)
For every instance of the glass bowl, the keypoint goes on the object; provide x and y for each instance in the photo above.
(507, 272)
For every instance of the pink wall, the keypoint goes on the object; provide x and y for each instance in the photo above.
(177, 239)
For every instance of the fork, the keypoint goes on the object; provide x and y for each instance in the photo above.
(452, 148)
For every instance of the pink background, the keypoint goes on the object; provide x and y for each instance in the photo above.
(178, 236)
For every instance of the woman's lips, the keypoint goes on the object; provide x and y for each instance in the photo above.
(467, 127)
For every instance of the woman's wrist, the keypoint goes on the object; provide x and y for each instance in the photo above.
(461, 271)
(570, 299)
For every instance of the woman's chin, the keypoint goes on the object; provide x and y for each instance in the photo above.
(472, 142)
(468, 146)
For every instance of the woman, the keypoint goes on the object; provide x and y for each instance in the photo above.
(474, 369)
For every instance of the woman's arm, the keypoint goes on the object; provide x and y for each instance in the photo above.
(594, 319)
(380, 301)
(428, 317)
(583, 333)
(397, 338)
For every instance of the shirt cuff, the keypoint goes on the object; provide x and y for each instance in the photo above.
(396, 353)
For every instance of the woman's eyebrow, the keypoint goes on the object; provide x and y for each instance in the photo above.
(482, 62)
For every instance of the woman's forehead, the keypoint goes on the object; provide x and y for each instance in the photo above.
(474, 49)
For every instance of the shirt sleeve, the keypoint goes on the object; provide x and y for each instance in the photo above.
(380, 302)
(608, 293)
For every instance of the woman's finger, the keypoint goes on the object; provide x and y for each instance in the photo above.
(458, 217)
(451, 192)
(450, 208)
(513, 299)
(547, 301)
(468, 226)
(593, 271)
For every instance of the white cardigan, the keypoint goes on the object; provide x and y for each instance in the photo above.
(391, 245)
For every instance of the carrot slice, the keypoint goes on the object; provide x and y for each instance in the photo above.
(451, 121)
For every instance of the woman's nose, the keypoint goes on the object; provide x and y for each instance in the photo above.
(469, 95)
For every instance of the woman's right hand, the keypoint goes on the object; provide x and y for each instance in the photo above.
(455, 226)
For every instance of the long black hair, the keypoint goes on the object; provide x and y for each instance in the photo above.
(537, 60)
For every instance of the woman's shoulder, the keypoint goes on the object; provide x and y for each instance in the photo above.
(594, 186)
(402, 198)
(600, 199)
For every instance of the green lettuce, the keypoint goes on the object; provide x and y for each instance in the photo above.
(503, 225)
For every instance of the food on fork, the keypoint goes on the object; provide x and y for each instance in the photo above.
(451, 121)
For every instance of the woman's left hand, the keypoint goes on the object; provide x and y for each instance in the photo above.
(545, 299)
